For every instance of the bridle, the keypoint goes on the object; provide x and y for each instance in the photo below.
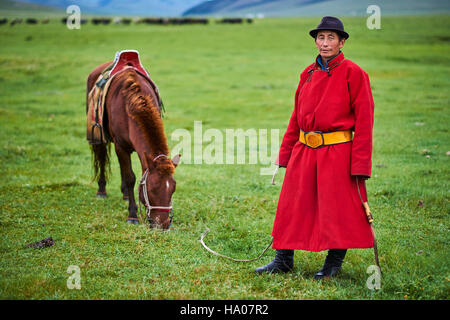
(148, 206)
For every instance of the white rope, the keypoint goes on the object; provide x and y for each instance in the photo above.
(229, 258)
(274, 174)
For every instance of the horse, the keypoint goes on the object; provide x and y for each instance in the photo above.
(132, 119)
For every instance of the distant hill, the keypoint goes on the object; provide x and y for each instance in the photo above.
(238, 6)
(283, 8)
(10, 8)
(155, 8)
(228, 8)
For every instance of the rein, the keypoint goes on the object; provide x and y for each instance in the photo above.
(233, 259)
(229, 258)
(148, 206)
(369, 219)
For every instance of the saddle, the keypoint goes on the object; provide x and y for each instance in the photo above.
(97, 133)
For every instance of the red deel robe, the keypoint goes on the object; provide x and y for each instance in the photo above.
(319, 207)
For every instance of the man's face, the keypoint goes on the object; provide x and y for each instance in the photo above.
(328, 44)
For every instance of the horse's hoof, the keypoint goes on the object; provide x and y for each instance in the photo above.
(133, 221)
(101, 195)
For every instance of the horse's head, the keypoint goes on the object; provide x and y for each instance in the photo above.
(156, 189)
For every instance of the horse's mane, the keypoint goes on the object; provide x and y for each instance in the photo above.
(142, 108)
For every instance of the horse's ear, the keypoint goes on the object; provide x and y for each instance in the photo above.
(176, 160)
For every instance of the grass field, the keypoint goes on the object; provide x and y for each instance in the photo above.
(241, 76)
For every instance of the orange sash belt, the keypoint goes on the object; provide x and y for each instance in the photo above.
(317, 139)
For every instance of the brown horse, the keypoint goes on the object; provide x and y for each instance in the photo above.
(133, 122)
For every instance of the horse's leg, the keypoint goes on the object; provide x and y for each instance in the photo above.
(100, 161)
(124, 189)
(130, 179)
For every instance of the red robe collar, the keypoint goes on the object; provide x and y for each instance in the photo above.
(331, 63)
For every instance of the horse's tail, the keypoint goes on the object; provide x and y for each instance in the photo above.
(100, 160)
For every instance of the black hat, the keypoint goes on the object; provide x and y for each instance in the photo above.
(330, 23)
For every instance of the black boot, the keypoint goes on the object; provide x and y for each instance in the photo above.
(283, 262)
(332, 265)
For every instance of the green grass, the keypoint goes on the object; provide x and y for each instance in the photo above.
(241, 76)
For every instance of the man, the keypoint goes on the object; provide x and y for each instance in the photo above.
(319, 207)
